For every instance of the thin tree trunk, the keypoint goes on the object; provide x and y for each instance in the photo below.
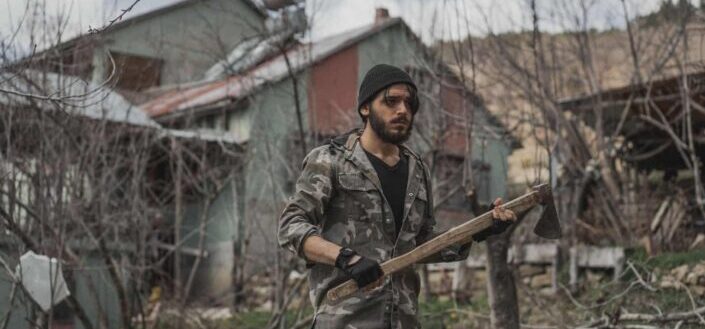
(178, 221)
(238, 270)
(297, 104)
(279, 278)
(426, 282)
(201, 250)
(500, 284)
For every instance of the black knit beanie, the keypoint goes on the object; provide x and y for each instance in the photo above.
(377, 78)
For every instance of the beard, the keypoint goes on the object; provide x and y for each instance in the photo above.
(387, 133)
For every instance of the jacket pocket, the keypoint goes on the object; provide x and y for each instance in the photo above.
(355, 182)
(362, 198)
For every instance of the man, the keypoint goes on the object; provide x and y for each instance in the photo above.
(363, 199)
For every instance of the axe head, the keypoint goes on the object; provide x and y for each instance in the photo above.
(548, 225)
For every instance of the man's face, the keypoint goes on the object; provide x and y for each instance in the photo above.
(390, 114)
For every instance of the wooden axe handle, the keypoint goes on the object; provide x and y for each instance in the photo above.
(457, 234)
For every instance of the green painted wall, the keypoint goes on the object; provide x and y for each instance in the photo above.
(267, 121)
(268, 170)
(491, 149)
(213, 276)
(19, 312)
(392, 46)
(103, 300)
(189, 39)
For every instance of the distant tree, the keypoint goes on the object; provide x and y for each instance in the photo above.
(669, 11)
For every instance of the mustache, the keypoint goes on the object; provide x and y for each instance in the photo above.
(400, 120)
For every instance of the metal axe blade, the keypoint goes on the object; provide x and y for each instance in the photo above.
(548, 226)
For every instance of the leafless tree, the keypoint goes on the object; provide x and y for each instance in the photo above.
(94, 183)
(597, 185)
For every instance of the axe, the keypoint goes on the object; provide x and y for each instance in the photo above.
(547, 227)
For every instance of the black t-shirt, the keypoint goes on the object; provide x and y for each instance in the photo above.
(393, 181)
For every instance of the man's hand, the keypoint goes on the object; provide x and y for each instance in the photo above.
(502, 219)
(363, 270)
(498, 212)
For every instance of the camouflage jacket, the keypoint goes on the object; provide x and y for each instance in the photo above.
(338, 197)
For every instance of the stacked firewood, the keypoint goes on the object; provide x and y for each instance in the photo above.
(667, 226)
(691, 277)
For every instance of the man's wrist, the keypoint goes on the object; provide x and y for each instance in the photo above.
(345, 255)
(354, 259)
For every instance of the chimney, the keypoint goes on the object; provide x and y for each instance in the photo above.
(381, 15)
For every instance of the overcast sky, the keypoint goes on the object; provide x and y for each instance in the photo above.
(429, 18)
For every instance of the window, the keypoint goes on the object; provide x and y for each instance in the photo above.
(135, 72)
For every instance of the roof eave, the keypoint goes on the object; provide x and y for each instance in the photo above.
(127, 22)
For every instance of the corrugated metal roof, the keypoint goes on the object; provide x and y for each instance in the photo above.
(300, 56)
(76, 96)
(73, 94)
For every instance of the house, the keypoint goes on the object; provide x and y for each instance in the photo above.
(87, 177)
(173, 44)
(137, 56)
(309, 90)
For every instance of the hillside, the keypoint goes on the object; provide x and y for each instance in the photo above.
(577, 64)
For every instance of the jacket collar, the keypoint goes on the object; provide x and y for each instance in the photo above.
(356, 154)
(351, 140)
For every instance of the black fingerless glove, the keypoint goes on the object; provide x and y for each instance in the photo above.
(364, 271)
(498, 227)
